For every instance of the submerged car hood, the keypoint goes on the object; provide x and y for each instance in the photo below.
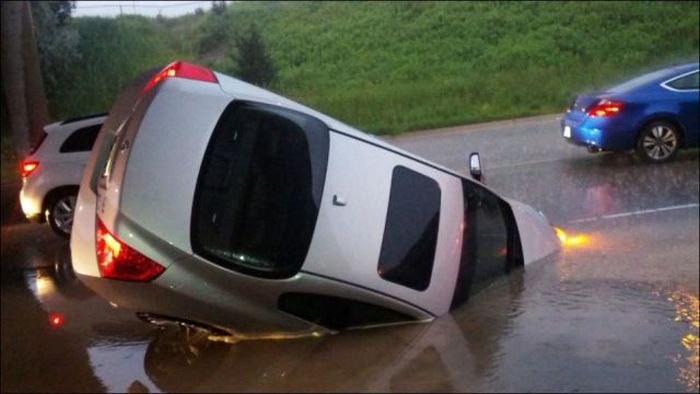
(537, 237)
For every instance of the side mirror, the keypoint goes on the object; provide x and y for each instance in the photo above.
(475, 166)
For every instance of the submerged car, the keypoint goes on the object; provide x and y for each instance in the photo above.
(656, 114)
(51, 173)
(212, 202)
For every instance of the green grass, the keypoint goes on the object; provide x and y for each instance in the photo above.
(397, 66)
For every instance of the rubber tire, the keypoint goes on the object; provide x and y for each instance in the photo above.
(50, 209)
(646, 130)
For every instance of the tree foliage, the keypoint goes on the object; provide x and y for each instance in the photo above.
(57, 41)
(218, 7)
(253, 62)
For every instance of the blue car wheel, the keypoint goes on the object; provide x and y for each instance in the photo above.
(658, 142)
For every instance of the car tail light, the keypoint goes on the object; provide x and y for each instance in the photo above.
(181, 69)
(605, 108)
(117, 260)
(28, 166)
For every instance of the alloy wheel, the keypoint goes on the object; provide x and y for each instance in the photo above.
(660, 142)
(62, 213)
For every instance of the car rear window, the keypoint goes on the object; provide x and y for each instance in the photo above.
(81, 140)
(688, 82)
(259, 190)
(411, 230)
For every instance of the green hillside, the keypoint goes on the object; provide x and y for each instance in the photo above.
(397, 66)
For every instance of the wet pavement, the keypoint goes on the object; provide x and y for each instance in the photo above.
(615, 310)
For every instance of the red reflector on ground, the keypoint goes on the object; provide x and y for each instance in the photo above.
(117, 260)
(56, 319)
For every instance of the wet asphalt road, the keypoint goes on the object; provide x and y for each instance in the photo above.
(616, 312)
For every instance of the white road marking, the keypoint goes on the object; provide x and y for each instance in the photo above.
(642, 212)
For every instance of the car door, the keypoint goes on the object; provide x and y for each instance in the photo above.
(685, 92)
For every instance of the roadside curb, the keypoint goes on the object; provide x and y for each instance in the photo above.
(460, 129)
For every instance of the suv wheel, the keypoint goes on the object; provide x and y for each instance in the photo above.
(59, 213)
(658, 142)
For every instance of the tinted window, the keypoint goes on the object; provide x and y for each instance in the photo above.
(81, 140)
(259, 190)
(411, 230)
(490, 246)
(685, 83)
(335, 312)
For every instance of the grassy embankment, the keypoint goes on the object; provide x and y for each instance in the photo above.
(392, 67)
(398, 66)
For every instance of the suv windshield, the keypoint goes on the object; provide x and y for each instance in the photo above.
(259, 190)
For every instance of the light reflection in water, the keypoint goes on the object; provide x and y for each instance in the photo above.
(568, 240)
(231, 339)
(688, 311)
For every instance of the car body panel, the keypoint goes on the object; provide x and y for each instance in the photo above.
(537, 237)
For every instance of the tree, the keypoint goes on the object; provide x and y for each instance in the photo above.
(57, 41)
(253, 63)
(22, 83)
(218, 7)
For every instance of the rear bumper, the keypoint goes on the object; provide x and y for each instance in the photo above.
(30, 199)
(612, 133)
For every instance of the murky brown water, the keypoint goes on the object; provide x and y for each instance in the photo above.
(574, 322)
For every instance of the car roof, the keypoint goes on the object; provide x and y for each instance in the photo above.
(653, 78)
(75, 123)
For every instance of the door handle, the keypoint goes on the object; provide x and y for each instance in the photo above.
(339, 201)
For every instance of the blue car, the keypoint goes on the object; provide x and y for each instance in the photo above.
(656, 114)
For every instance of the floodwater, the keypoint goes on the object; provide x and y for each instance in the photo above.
(615, 310)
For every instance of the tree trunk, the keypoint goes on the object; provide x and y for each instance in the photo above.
(37, 110)
(13, 75)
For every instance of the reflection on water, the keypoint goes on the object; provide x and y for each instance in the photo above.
(119, 366)
(688, 311)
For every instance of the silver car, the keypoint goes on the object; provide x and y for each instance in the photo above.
(215, 203)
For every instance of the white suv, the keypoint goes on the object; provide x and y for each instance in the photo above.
(52, 171)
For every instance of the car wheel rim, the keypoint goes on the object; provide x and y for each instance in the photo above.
(659, 143)
(63, 213)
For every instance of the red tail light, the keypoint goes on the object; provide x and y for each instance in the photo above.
(181, 69)
(117, 260)
(605, 108)
(28, 166)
